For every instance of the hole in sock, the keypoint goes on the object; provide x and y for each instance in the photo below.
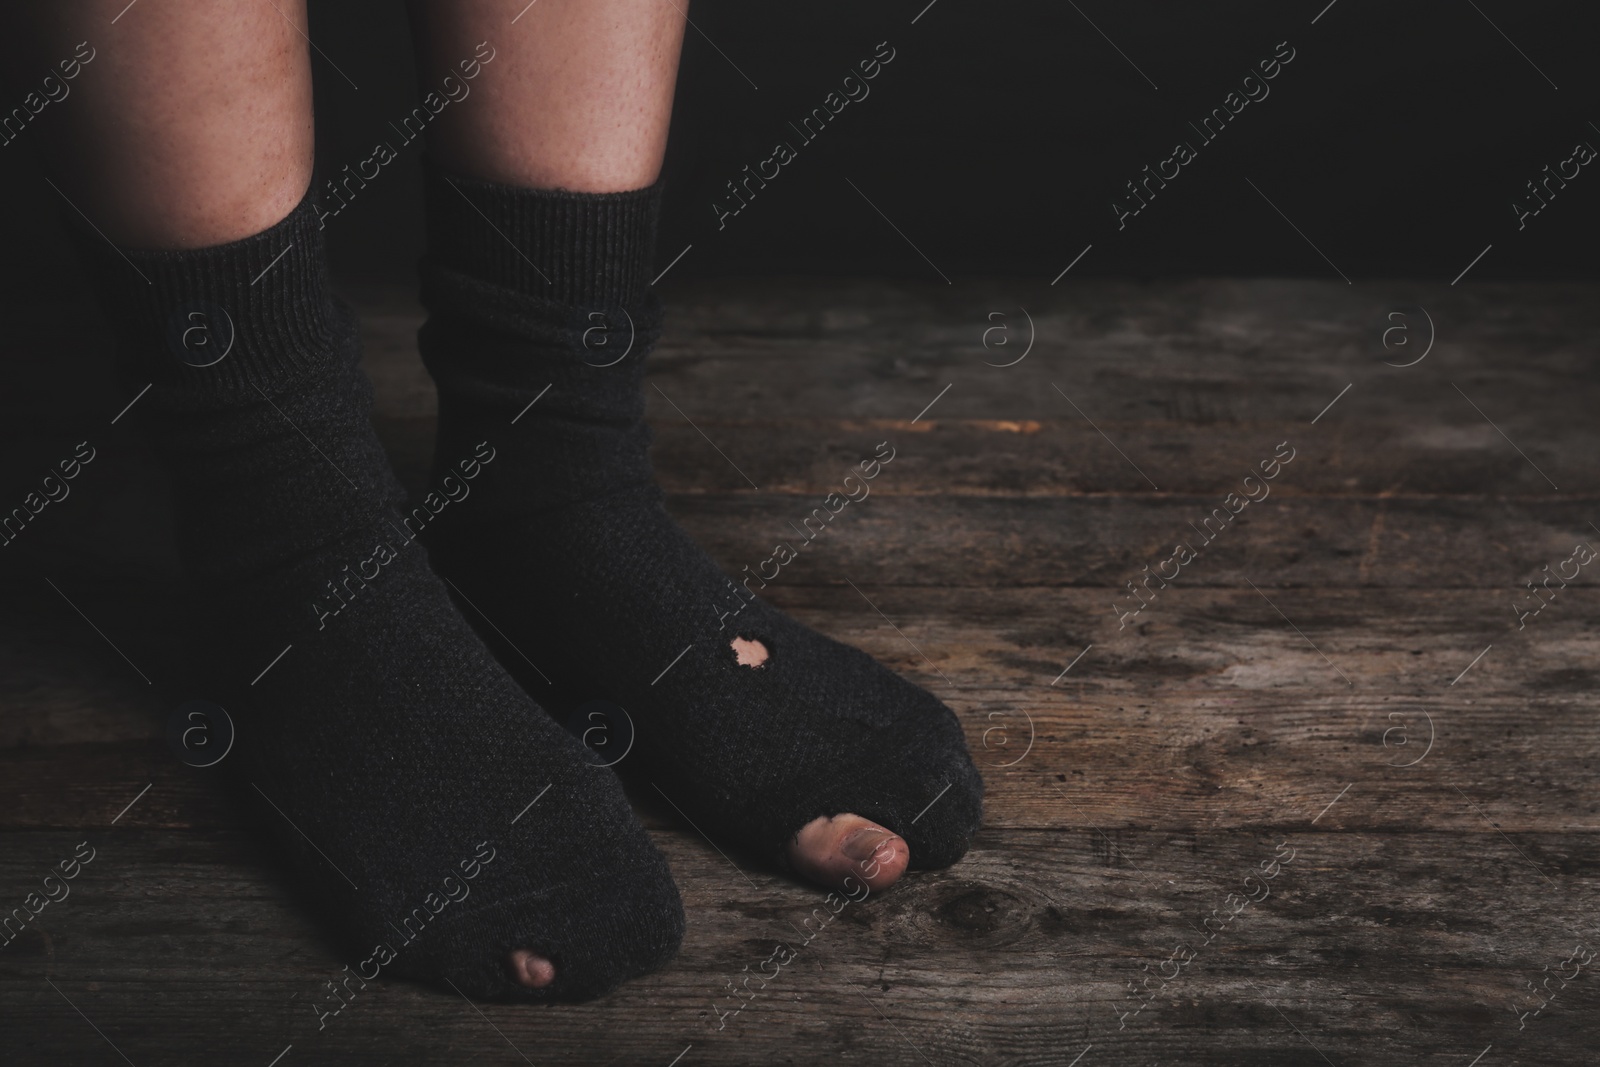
(749, 652)
(530, 970)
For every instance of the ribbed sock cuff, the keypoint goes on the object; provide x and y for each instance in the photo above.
(573, 249)
(216, 324)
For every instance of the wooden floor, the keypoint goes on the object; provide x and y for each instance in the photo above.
(1340, 679)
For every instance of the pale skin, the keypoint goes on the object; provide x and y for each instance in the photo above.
(195, 129)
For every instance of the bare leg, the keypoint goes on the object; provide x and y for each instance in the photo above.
(579, 97)
(192, 124)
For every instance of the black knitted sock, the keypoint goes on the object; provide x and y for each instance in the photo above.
(390, 754)
(541, 298)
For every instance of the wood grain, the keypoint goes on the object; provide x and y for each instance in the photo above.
(1380, 948)
(1342, 670)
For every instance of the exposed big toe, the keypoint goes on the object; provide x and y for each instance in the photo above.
(832, 851)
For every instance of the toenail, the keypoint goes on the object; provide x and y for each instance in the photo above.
(750, 653)
(862, 845)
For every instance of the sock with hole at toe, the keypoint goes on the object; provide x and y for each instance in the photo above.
(540, 316)
(427, 805)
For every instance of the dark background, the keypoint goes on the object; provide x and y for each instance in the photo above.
(1000, 133)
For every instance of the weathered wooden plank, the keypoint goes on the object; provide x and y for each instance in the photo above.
(1186, 764)
(1193, 382)
(890, 537)
(1214, 354)
(1386, 948)
(1448, 453)
(1206, 351)
(990, 542)
(1406, 640)
(995, 542)
(1212, 711)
